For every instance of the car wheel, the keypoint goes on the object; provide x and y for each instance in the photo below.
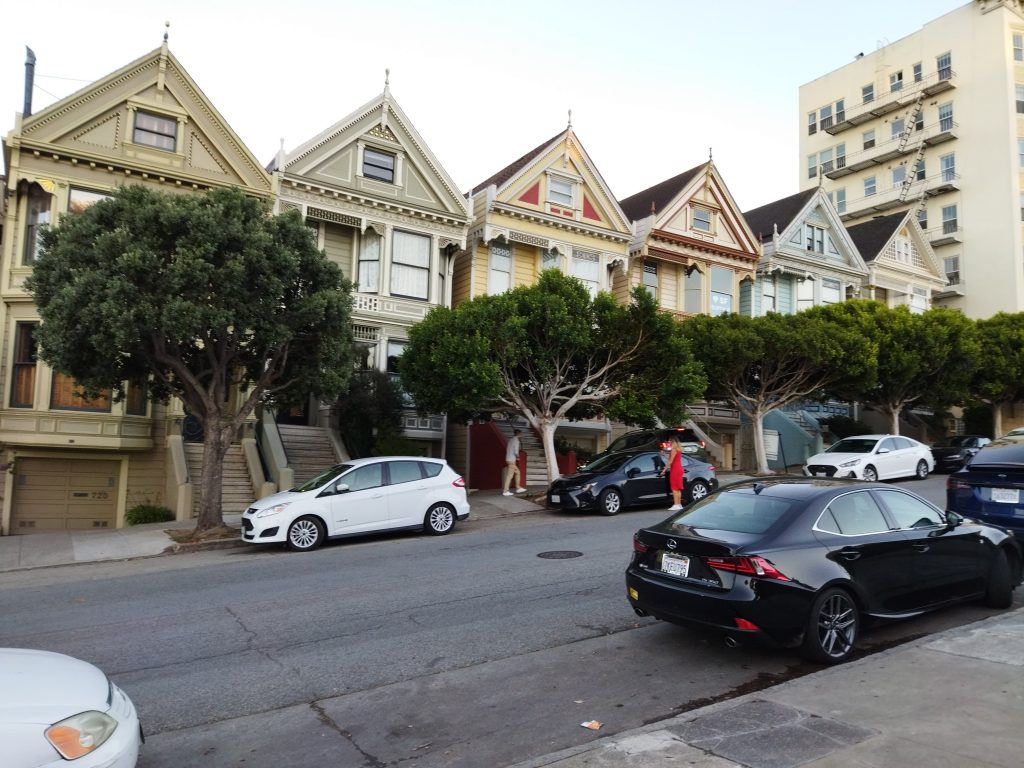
(922, 469)
(439, 520)
(610, 502)
(698, 490)
(870, 474)
(999, 590)
(305, 534)
(832, 627)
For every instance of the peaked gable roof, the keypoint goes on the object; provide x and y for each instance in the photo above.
(872, 236)
(515, 167)
(96, 122)
(383, 121)
(654, 199)
(764, 220)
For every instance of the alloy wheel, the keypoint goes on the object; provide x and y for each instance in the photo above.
(837, 625)
(440, 519)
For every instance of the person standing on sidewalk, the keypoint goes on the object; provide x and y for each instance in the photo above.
(675, 473)
(512, 464)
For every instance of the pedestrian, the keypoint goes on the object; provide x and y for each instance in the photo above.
(675, 473)
(512, 464)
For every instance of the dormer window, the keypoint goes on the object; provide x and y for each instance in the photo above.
(155, 131)
(702, 219)
(559, 191)
(379, 165)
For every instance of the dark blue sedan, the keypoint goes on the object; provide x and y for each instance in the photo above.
(991, 487)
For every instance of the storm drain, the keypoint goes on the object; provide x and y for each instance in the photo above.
(560, 554)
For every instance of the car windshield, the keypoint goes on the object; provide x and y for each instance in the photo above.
(955, 442)
(854, 445)
(742, 511)
(315, 482)
(605, 464)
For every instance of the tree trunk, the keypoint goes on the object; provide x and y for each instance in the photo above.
(893, 412)
(757, 421)
(997, 419)
(216, 440)
(547, 438)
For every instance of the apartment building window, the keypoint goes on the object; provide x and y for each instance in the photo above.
(768, 293)
(499, 277)
(586, 267)
(651, 279)
(840, 110)
(559, 191)
(840, 155)
(23, 379)
(804, 294)
(814, 238)
(952, 267)
(896, 81)
(812, 166)
(812, 123)
(721, 290)
(946, 117)
(369, 262)
(1018, 46)
(831, 292)
(826, 117)
(379, 165)
(902, 248)
(944, 63)
(898, 127)
(825, 160)
(918, 73)
(947, 165)
(918, 300)
(155, 131)
(867, 92)
(899, 175)
(869, 186)
(840, 200)
(922, 218)
(67, 395)
(693, 291)
(949, 219)
(410, 265)
(920, 169)
(1020, 99)
(39, 201)
(919, 120)
(702, 219)
(550, 259)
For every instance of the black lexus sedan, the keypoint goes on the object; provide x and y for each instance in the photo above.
(628, 479)
(800, 562)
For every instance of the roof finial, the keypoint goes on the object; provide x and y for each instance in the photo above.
(167, 29)
(710, 158)
(387, 79)
(570, 119)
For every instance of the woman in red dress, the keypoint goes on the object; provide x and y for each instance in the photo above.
(675, 473)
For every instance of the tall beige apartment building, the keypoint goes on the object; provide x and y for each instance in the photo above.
(933, 123)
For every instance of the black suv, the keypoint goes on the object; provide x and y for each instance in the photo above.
(657, 440)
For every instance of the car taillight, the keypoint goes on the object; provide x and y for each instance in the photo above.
(956, 484)
(749, 566)
(458, 482)
(712, 468)
(702, 445)
(639, 546)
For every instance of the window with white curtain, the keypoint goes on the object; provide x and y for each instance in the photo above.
(369, 262)
(410, 265)
(693, 292)
(499, 278)
(919, 300)
(586, 267)
(721, 290)
(768, 293)
(830, 291)
(804, 294)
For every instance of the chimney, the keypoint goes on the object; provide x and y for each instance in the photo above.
(30, 76)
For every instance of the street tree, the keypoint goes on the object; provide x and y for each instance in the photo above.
(761, 364)
(924, 358)
(205, 298)
(551, 352)
(999, 375)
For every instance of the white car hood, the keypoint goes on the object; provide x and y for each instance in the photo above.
(836, 458)
(278, 498)
(44, 688)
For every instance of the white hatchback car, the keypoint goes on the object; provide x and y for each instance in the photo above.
(56, 710)
(873, 457)
(360, 496)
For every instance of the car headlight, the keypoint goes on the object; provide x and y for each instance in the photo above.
(276, 509)
(80, 734)
(853, 463)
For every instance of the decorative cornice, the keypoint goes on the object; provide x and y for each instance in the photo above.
(558, 223)
(703, 245)
(352, 206)
(522, 237)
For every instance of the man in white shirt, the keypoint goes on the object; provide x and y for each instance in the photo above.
(512, 464)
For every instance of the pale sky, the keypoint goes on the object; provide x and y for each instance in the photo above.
(652, 84)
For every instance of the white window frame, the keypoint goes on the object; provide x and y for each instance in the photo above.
(561, 191)
(814, 238)
(650, 278)
(420, 273)
(499, 269)
(901, 247)
(586, 267)
(870, 186)
(868, 138)
(951, 266)
(378, 168)
(698, 219)
(947, 167)
(831, 291)
(804, 294)
(841, 200)
(368, 278)
(1018, 46)
(950, 221)
(769, 294)
(867, 93)
(896, 82)
(722, 301)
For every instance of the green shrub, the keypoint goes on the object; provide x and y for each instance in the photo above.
(148, 513)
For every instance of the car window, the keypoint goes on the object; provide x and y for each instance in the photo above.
(646, 462)
(853, 514)
(909, 511)
(887, 445)
(853, 445)
(430, 468)
(902, 443)
(740, 512)
(404, 471)
(605, 464)
(318, 480)
(367, 476)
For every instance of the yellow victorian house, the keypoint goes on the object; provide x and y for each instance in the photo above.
(693, 250)
(74, 462)
(549, 209)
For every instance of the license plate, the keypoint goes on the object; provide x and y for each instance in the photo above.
(554, 498)
(675, 565)
(1006, 495)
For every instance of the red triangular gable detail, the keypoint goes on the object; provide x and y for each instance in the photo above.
(588, 210)
(532, 195)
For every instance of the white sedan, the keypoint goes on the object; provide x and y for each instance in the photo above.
(56, 710)
(873, 457)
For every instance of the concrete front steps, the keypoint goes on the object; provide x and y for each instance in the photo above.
(308, 449)
(536, 469)
(237, 491)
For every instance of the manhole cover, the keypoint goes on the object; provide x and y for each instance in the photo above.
(560, 554)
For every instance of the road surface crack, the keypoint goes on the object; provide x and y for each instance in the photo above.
(323, 717)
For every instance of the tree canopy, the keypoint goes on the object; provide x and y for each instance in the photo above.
(552, 352)
(998, 378)
(205, 298)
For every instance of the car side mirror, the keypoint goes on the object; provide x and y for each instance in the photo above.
(633, 472)
(953, 519)
(341, 488)
(882, 450)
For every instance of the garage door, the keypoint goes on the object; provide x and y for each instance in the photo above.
(64, 494)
